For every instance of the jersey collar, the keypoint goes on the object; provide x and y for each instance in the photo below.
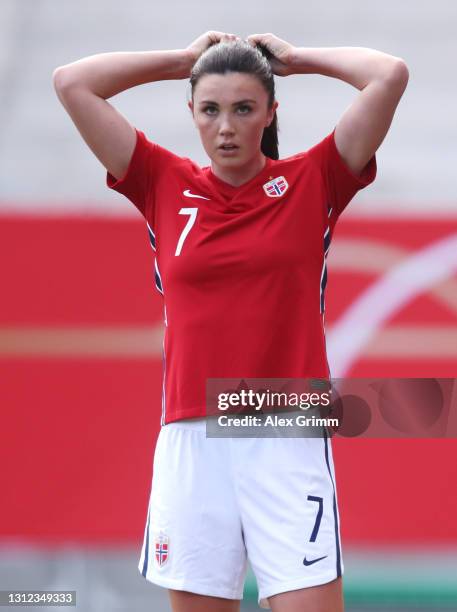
(229, 191)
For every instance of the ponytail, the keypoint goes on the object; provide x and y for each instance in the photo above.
(269, 144)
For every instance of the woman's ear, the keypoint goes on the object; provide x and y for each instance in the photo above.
(271, 112)
(191, 106)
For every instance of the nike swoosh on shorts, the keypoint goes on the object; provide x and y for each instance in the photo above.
(188, 194)
(305, 562)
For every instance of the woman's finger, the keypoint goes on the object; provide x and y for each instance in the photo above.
(255, 39)
(230, 37)
(262, 39)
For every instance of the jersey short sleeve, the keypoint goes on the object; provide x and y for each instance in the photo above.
(138, 182)
(341, 184)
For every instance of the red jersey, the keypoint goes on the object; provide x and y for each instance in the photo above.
(242, 270)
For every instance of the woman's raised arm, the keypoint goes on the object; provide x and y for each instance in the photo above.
(84, 86)
(381, 79)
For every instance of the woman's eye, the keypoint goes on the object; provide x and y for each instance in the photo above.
(212, 110)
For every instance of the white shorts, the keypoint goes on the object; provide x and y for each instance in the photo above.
(216, 502)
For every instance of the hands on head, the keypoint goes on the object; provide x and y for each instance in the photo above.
(278, 52)
(200, 44)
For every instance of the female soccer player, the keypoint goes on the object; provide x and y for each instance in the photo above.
(240, 259)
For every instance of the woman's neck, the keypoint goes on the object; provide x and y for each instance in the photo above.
(238, 175)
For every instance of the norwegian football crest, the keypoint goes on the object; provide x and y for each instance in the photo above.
(161, 549)
(276, 187)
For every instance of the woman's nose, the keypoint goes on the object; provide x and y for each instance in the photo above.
(225, 126)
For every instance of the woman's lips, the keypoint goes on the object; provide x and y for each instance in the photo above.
(228, 150)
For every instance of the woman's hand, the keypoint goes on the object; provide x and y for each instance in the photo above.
(280, 50)
(200, 44)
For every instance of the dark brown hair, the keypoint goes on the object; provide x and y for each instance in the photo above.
(240, 56)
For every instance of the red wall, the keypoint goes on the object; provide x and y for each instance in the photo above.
(78, 431)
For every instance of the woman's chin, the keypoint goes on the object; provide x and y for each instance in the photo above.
(228, 161)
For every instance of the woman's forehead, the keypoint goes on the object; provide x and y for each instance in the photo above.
(228, 86)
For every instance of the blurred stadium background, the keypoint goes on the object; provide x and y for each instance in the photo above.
(81, 321)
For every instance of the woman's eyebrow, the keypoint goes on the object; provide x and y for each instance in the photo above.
(234, 104)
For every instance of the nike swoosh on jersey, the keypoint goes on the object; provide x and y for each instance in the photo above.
(188, 194)
(305, 562)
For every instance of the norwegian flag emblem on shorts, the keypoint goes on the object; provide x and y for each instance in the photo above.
(161, 549)
(276, 187)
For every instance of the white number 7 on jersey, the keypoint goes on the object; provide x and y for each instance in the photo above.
(193, 215)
